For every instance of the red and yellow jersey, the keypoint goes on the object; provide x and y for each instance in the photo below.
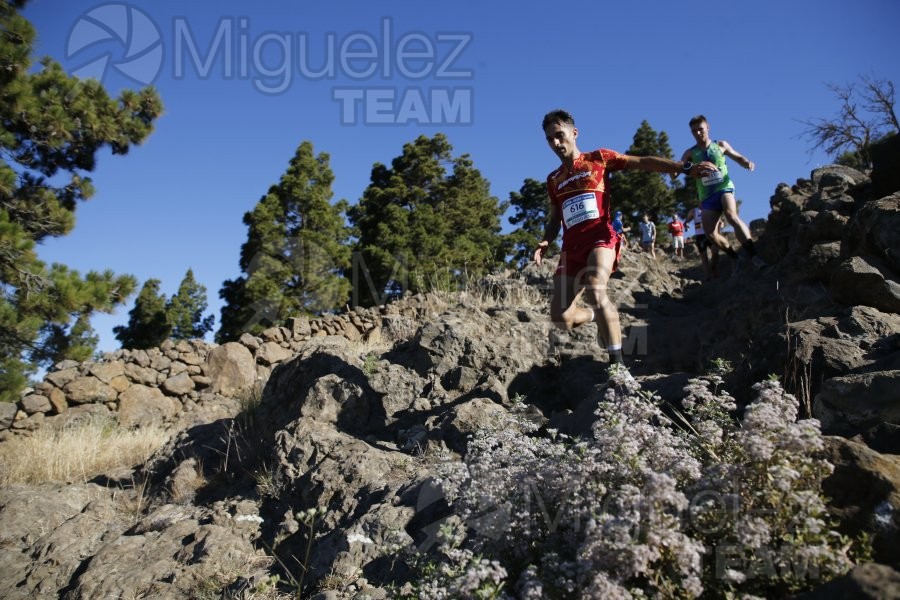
(676, 228)
(580, 194)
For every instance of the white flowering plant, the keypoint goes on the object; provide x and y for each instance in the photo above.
(658, 501)
(450, 571)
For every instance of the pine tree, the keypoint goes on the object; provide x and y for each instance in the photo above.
(296, 253)
(636, 192)
(185, 309)
(148, 324)
(427, 221)
(76, 342)
(531, 204)
(685, 196)
(51, 128)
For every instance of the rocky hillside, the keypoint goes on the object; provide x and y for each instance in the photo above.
(314, 452)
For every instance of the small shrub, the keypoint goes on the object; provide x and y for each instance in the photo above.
(266, 482)
(249, 400)
(370, 364)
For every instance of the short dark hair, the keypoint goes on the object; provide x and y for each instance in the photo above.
(558, 116)
(697, 120)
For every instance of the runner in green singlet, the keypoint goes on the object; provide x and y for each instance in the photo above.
(716, 190)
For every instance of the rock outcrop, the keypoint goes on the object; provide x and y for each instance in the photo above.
(346, 418)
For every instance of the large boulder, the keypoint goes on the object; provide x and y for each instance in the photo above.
(231, 369)
(8, 412)
(336, 401)
(870, 326)
(498, 342)
(855, 403)
(326, 383)
(885, 158)
(178, 385)
(63, 376)
(465, 420)
(837, 175)
(864, 493)
(140, 405)
(815, 354)
(320, 465)
(398, 387)
(174, 552)
(822, 226)
(875, 230)
(36, 403)
(107, 371)
(821, 260)
(868, 281)
(144, 375)
(271, 353)
(47, 531)
(88, 389)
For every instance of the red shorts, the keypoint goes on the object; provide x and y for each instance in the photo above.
(573, 261)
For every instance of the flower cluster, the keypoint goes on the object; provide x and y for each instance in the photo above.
(759, 506)
(454, 573)
(658, 503)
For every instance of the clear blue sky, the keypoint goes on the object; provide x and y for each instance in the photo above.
(231, 124)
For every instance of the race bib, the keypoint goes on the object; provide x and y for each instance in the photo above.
(580, 208)
(712, 178)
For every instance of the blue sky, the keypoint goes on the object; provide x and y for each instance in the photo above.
(341, 74)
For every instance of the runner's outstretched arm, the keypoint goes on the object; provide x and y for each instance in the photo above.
(736, 156)
(666, 165)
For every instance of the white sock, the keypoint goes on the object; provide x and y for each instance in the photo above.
(614, 347)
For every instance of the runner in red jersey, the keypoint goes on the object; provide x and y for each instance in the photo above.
(579, 194)
(579, 204)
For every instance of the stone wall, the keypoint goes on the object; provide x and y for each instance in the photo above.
(157, 384)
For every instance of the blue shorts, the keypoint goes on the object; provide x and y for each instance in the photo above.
(714, 201)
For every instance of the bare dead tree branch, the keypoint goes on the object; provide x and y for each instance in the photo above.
(879, 95)
(866, 113)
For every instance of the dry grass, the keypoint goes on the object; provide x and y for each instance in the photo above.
(76, 453)
(506, 293)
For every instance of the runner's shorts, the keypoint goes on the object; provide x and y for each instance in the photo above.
(574, 261)
(714, 201)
